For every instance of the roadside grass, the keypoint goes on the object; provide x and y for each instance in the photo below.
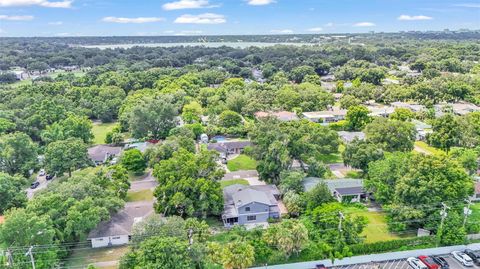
(376, 229)
(100, 131)
(226, 183)
(354, 174)
(143, 195)
(428, 148)
(242, 162)
(83, 256)
(334, 157)
(475, 217)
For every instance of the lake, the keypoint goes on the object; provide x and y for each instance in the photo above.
(240, 45)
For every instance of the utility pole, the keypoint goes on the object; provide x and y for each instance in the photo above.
(443, 214)
(9, 258)
(29, 253)
(466, 211)
(342, 217)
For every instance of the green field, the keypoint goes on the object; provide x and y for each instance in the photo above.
(475, 217)
(428, 148)
(226, 183)
(377, 229)
(334, 157)
(143, 195)
(100, 131)
(242, 162)
(82, 256)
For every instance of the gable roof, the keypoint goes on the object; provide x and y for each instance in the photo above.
(122, 222)
(281, 115)
(241, 195)
(99, 152)
(225, 146)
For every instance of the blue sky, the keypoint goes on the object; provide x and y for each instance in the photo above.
(210, 17)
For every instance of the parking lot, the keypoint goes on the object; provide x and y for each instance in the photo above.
(401, 264)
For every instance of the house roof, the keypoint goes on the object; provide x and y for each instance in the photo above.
(325, 113)
(332, 184)
(350, 191)
(350, 136)
(238, 195)
(122, 222)
(99, 152)
(281, 115)
(224, 146)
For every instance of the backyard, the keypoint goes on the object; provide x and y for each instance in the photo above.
(242, 162)
(334, 157)
(226, 183)
(376, 229)
(100, 131)
(83, 255)
(423, 147)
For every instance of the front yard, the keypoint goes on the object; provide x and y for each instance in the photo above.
(242, 162)
(100, 131)
(226, 183)
(83, 255)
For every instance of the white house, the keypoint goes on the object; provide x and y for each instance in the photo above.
(117, 230)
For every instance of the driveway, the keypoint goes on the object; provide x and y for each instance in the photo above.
(43, 184)
(241, 174)
(148, 182)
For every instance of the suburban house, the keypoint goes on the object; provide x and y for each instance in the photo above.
(412, 107)
(142, 146)
(226, 148)
(343, 190)
(460, 108)
(118, 229)
(280, 115)
(423, 129)
(348, 137)
(327, 116)
(250, 205)
(103, 153)
(380, 111)
(476, 194)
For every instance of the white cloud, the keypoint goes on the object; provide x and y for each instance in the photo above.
(364, 24)
(188, 4)
(56, 23)
(282, 31)
(414, 18)
(315, 29)
(206, 18)
(469, 5)
(260, 2)
(16, 18)
(42, 3)
(132, 20)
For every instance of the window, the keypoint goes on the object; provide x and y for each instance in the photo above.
(247, 209)
(251, 218)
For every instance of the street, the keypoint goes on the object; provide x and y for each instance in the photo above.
(43, 184)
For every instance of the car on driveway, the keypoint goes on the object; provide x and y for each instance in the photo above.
(320, 266)
(41, 172)
(34, 185)
(49, 177)
(441, 261)
(473, 255)
(416, 263)
(463, 258)
(429, 262)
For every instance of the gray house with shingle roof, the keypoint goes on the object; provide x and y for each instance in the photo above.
(226, 148)
(250, 205)
(347, 189)
(102, 153)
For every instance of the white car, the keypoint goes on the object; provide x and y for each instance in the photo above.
(463, 258)
(41, 172)
(416, 263)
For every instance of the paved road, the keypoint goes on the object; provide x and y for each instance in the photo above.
(241, 174)
(146, 183)
(43, 184)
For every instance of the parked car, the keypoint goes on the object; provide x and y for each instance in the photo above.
(49, 177)
(34, 185)
(463, 258)
(320, 266)
(416, 263)
(473, 255)
(41, 172)
(429, 262)
(441, 261)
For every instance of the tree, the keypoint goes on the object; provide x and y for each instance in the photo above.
(65, 156)
(133, 161)
(18, 154)
(192, 112)
(153, 118)
(235, 255)
(11, 192)
(189, 184)
(228, 119)
(357, 117)
(291, 181)
(446, 132)
(290, 236)
(294, 202)
(453, 232)
(298, 73)
(468, 158)
(391, 135)
(402, 114)
(6, 125)
(317, 196)
(358, 154)
(166, 149)
(160, 253)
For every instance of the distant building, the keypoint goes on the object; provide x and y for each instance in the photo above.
(327, 116)
(461, 108)
(117, 230)
(142, 146)
(103, 153)
(380, 111)
(343, 190)
(250, 205)
(348, 137)
(413, 107)
(281, 115)
(226, 148)
(423, 129)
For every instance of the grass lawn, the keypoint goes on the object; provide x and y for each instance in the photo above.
(428, 148)
(100, 131)
(83, 255)
(334, 157)
(376, 229)
(226, 183)
(475, 217)
(143, 195)
(242, 162)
